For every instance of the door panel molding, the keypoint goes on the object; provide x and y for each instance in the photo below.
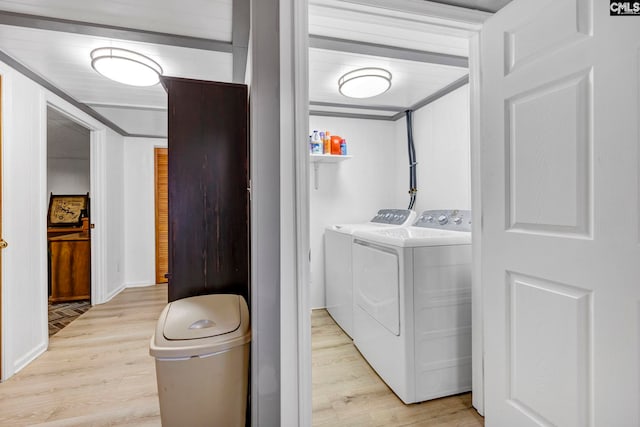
(533, 337)
(565, 22)
(548, 141)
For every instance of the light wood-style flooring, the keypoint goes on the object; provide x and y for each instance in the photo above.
(97, 371)
(348, 392)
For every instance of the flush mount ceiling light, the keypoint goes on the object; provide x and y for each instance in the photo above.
(125, 66)
(365, 82)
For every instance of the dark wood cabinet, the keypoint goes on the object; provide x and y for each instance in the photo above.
(208, 182)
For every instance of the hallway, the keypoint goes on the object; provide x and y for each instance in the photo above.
(96, 372)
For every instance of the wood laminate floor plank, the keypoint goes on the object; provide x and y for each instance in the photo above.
(97, 371)
(348, 392)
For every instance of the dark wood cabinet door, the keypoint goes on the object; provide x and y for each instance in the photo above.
(208, 181)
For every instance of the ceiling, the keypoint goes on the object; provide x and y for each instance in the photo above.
(208, 40)
(484, 5)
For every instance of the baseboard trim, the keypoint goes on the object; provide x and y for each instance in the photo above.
(25, 360)
(113, 293)
(139, 284)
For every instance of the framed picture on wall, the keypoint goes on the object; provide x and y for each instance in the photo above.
(67, 210)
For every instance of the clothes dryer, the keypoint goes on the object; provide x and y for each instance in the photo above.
(337, 260)
(412, 304)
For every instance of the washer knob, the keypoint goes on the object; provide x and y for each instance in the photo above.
(430, 218)
(457, 220)
(442, 219)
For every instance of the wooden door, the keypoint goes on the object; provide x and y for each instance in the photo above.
(560, 236)
(162, 213)
(208, 181)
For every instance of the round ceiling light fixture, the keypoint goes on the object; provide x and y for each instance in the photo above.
(364, 82)
(126, 66)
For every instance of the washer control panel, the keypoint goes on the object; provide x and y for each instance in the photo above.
(458, 220)
(392, 216)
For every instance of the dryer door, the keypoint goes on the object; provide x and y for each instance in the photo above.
(376, 283)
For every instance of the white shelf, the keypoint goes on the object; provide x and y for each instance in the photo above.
(327, 158)
(316, 159)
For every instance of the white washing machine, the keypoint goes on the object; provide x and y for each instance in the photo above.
(412, 304)
(337, 261)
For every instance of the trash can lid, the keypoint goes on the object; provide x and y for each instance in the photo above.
(201, 326)
(202, 317)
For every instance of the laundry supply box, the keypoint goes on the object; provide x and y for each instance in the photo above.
(201, 346)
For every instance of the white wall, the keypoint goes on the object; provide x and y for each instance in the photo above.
(266, 279)
(25, 203)
(441, 137)
(353, 190)
(139, 212)
(137, 121)
(68, 176)
(114, 222)
(68, 155)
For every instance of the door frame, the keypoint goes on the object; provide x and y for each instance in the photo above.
(477, 310)
(465, 19)
(97, 192)
(1, 183)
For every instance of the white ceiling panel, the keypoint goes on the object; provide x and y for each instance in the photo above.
(328, 20)
(412, 81)
(210, 19)
(63, 59)
(486, 5)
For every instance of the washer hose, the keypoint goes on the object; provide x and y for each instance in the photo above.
(413, 182)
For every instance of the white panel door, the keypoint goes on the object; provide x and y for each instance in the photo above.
(560, 236)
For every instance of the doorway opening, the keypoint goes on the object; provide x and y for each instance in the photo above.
(376, 174)
(68, 219)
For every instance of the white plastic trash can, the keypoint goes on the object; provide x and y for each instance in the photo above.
(201, 346)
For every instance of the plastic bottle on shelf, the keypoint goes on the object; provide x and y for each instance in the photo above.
(326, 143)
(343, 147)
(316, 145)
(335, 145)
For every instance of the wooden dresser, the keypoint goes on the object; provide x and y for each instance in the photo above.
(69, 244)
